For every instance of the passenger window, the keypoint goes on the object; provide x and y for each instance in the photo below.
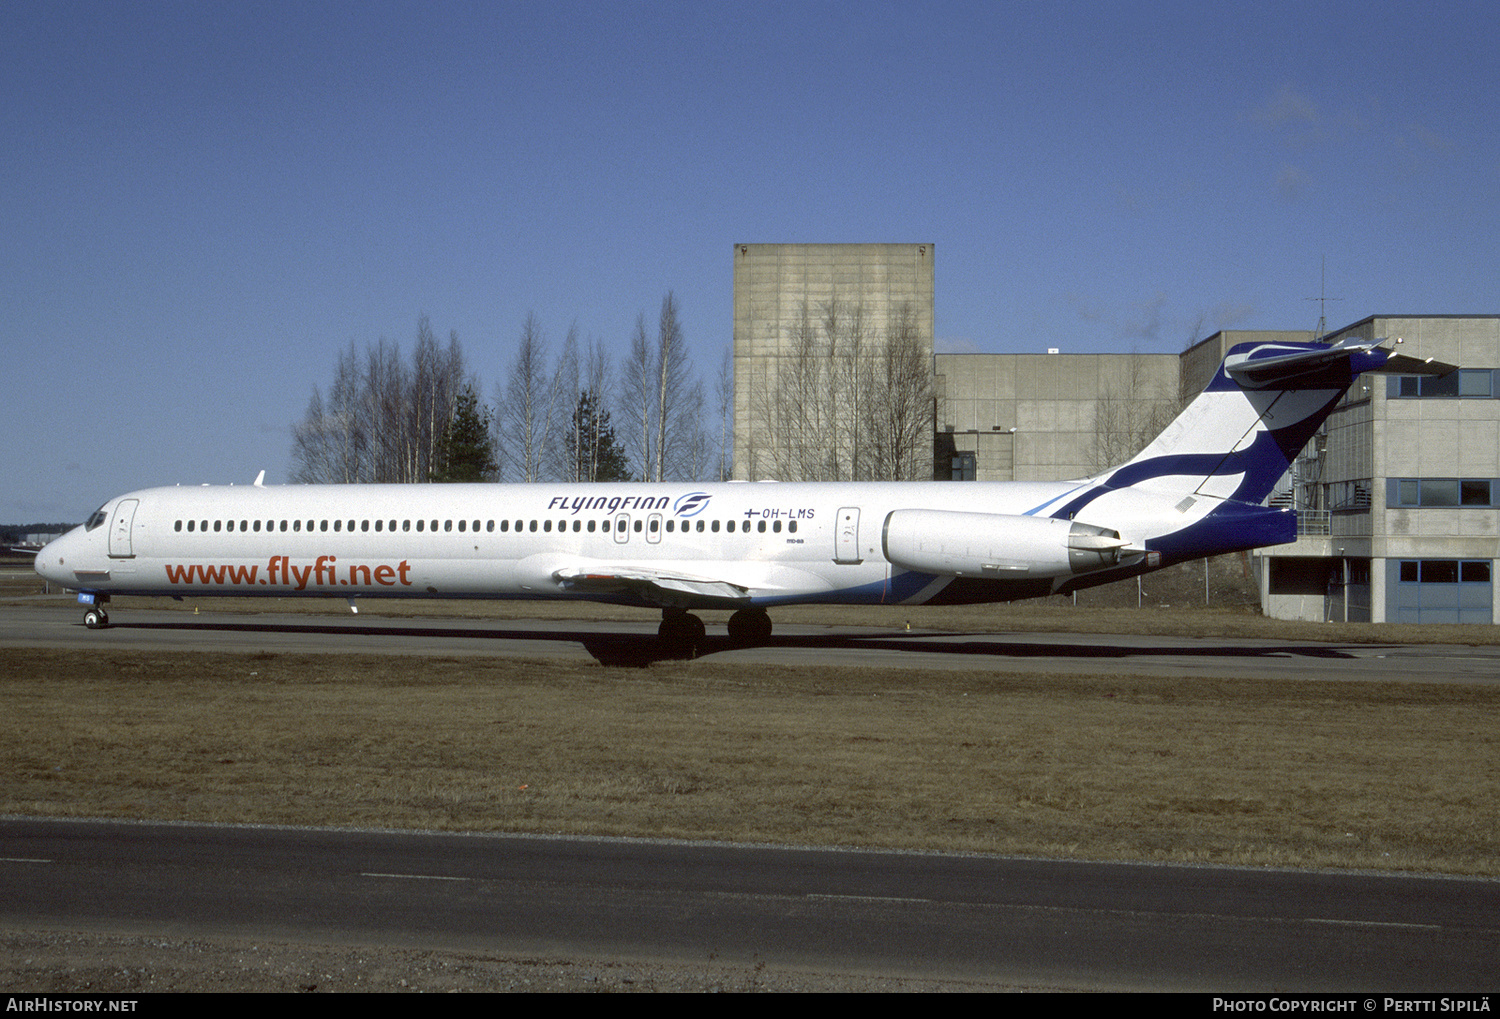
(776, 526)
(463, 525)
(421, 525)
(700, 527)
(715, 527)
(505, 525)
(338, 525)
(257, 526)
(434, 525)
(296, 525)
(533, 527)
(547, 526)
(379, 525)
(577, 526)
(792, 526)
(322, 525)
(364, 525)
(406, 525)
(178, 526)
(591, 527)
(489, 525)
(760, 526)
(218, 525)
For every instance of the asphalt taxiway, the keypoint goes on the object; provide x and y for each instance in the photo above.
(1022, 922)
(54, 625)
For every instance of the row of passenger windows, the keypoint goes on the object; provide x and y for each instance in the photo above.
(653, 525)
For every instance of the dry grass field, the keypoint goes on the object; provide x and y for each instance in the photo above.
(1399, 776)
(1287, 773)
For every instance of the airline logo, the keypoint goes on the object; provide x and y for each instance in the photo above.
(691, 505)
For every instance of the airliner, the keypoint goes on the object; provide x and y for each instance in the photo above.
(1195, 491)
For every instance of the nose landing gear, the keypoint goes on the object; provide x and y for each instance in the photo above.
(94, 617)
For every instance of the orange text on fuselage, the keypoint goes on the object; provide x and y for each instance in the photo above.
(281, 571)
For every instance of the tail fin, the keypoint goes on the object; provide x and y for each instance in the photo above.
(1239, 436)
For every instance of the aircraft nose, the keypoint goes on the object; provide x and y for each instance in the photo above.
(51, 561)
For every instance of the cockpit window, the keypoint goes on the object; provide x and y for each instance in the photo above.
(95, 520)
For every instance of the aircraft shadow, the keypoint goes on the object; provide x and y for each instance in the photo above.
(638, 649)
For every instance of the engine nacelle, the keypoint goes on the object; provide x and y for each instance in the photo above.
(996, 545)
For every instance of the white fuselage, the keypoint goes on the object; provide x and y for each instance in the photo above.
(702, 545)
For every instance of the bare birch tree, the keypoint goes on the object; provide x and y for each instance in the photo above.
(381, 417)
(846, 400)
(674, 424)
(724, 401)
(1131, 411)
(637, 400)
(523, 423)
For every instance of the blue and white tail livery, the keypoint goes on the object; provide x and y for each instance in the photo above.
(1196, 491)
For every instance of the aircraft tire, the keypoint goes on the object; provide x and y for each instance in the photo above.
(749, 627)
(681, 634)
(96, 619)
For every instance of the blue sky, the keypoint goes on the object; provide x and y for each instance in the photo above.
(203, 203)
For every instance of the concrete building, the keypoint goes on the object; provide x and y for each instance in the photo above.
(1045, 417)
(1398, 496)
(811, 324)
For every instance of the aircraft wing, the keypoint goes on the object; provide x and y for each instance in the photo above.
(661, 587)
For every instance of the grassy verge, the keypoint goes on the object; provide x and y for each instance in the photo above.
(1342, 774)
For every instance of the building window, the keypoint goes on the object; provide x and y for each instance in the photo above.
(964, 466)
(1347, 495)
(1445, 571)
(1466, 383)
(1403, 493)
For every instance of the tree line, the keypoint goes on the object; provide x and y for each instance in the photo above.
(570, 416)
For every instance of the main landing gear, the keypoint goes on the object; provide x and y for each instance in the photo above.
(681, 633)
(749, 627)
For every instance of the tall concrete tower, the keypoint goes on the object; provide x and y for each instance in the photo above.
(818, 332)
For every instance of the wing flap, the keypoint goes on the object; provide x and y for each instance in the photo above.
(656, 586)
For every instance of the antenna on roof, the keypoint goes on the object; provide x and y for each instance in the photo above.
(1323, 302)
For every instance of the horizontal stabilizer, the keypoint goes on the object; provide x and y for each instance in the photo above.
(1400, 364)
(1323, 367)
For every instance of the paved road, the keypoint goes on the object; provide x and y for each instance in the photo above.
(1029, 922)
(628, 643)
